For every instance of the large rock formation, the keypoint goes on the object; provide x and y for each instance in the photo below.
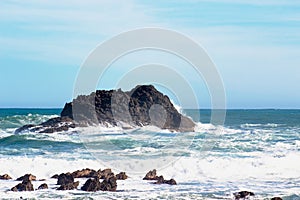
(141, 106)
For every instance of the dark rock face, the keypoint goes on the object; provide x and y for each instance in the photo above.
(64, 179)
(161, 180)
(27, 177)
(84, 173)
(242, 195)
(276, 198)
(92, 185)
(121, 176)
(69, 186)
(54, 176)
(104, 174)
(141, 106)
(5, 177)
(24, 186)
(170, 182)
(43, 186)
(109, 184)
(151, 175)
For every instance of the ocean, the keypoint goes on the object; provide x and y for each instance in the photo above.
(255, 150)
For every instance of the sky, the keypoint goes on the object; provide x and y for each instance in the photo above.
(254, 44)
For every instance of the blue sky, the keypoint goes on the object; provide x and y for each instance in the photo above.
(255, 45)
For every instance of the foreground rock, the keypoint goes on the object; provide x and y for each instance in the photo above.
(161, 180)
(92, 185)
(84, 173)
(141, 106)
(27, 177)
(121, 176)
(64, 179)
(69, 186)
(276, 198)
(5, 177)
(242, 195)
(151, 175)
(43, 186)
(26, 185)
(104, 174)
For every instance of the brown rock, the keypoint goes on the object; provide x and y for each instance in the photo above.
(26, 185)
(242, 195)
(27, 177)
(84, 173)
(5, 177)
(276, 198)
(54, 176)
(69, 186)
(109, 184)
(64, 179)
(170, 182)
(43, 186)
(161, 180)
(91, 185)
(151, 175)
(104, 174)
(121, 176)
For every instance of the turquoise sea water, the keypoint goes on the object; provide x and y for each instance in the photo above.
(256, 150)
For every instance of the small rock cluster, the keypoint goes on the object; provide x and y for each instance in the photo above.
(93, 184)
(151, 175)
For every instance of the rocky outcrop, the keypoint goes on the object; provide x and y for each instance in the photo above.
(64, 179)
(5, 177)
(242, 195)
(121, 176)
(84, 173)
(109, 184)
(104, 174)
(69, 186)
(92, 185)
(26, 185)
(43, 186)
(141, 106)
(151, 175)
(27, 177)
(276, 198)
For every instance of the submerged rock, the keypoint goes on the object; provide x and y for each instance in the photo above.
(27, 177)
(151, 175)
(121, 176)
(141, 106)
(161, 180)
(43, 186)
(5, 177)
(242, 195)
(69, 186)
(26, 185)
